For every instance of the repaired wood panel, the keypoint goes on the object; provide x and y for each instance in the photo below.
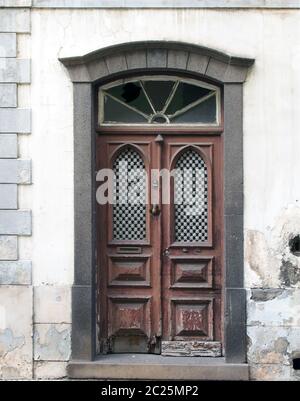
(191, 348)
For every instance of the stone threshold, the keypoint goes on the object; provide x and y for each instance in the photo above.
(157, 367)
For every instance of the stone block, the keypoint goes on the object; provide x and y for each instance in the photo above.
(15, 3)
(15, 332)
(177, 59)
(52, 304)
(116, 63)
(14, 20)
(8, 247)
(8, 196)
(8, 146)
(157, 58)
(44, 370)
(216, 69)
(13, 70)
(15, 120)
(234, 250)
(234, 203)
(15, 273)
(8, 45)
(79, 73)
(15, 222)
(136, 59)
(235, 325)
(97, 69)
(82, 340)
(15, 171)
(235, 74)
(197, 63)
(52, 342)
(8, 95)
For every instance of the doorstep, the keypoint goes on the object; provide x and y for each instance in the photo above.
(157, 367)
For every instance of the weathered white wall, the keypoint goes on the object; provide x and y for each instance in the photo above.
(271, 154)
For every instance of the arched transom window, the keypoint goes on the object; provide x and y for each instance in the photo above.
(159, 100)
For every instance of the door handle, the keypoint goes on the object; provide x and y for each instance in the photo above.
(155, 210)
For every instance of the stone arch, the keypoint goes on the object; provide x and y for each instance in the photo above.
(157, 55)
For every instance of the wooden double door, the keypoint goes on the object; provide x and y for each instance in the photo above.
(160, 240)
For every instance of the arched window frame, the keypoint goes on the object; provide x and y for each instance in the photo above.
(159, 77)
(207, 160)
(144, 158)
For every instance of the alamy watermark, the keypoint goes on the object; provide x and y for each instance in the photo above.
(129, 186)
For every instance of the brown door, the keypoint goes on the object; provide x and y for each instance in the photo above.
(192, 248)
(129, 249)
(160, 261)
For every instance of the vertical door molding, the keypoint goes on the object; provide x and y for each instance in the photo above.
(235, 294)
(156, 57)
(83, 297)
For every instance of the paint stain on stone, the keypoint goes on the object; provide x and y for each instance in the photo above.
(264, 295)
(289, 273)
(281, 345)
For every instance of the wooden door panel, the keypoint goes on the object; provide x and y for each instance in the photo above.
(129, 272)
(192, 265)
(191, 272)
(192, 318)
(163, 286)
(129, 323)
(129, 315)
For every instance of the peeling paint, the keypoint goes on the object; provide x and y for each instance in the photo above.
(269, 259)
(272, 345)
(281, 345)
(52, 342)
(261, 260)
(289, 274)
(274, 307)
(9, 343)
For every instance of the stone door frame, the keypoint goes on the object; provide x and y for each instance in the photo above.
(184, 59)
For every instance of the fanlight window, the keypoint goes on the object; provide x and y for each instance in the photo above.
(159, 100)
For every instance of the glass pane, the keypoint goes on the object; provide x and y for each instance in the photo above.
(143, 102)
(129, 209)
(202, 113)
(191, 198)
(119, 113)
(185, 95)
(132, 94)
(158, 92)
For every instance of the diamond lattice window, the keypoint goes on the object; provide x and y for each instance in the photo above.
(191, 198)
(129, 209)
